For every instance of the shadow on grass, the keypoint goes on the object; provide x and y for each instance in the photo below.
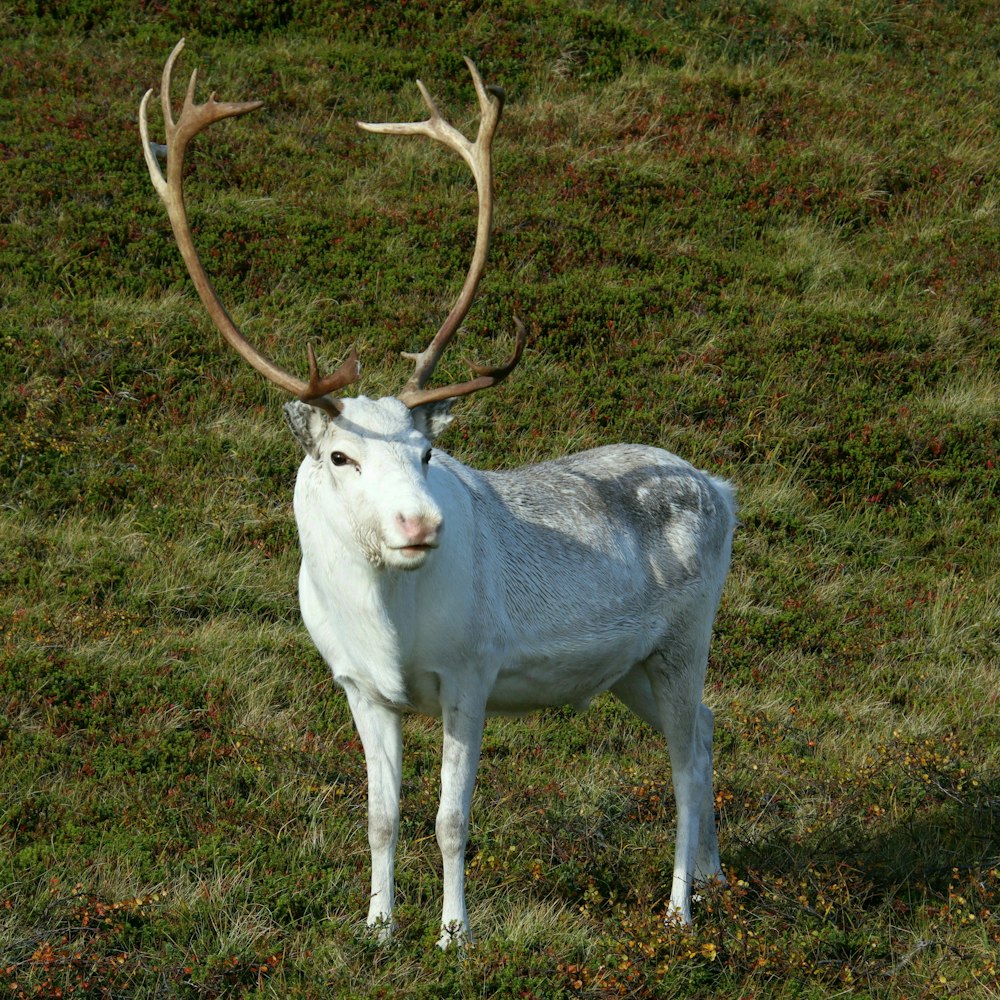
(929, 851)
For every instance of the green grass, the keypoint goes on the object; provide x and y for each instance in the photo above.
(764, 236)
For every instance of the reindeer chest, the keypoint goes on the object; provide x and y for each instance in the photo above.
(384, 646)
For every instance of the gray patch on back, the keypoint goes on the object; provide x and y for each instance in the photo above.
(598, 516)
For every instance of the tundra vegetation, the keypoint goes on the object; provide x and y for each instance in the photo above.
(763, 236)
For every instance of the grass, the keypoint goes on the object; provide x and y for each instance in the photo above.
(763, 235)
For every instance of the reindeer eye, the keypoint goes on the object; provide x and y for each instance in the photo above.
(339, 458)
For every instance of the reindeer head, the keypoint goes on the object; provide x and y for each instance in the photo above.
(366, 471)
(370, 458)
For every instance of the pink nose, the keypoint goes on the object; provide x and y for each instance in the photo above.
(419, 530)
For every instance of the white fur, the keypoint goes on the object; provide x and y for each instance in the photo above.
(439, 589)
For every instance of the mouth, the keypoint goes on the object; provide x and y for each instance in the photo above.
(416, 550)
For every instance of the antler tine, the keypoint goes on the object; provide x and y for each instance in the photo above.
(487, 376)
(478, 156)
(193, 119)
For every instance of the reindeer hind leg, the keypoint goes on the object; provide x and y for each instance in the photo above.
(665, 691)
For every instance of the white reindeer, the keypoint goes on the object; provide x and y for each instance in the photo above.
(432, 587)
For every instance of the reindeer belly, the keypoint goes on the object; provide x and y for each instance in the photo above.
(565, 673)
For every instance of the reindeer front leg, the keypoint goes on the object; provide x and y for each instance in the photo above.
(463, 738)
(380, 730)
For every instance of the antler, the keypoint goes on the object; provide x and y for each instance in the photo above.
(478, 156)
(194, 118)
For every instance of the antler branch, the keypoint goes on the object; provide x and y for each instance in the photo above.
(193, 119)
(478, 156)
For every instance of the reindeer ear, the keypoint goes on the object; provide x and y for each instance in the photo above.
(308, 424)
(432, 418)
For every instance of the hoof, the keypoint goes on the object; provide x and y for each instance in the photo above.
(454, 935)
(382, 929)
(678, 916)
